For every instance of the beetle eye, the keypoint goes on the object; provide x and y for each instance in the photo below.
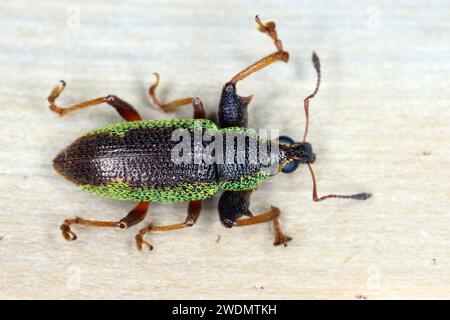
(286, 139)
(290, 167)
(293, 165)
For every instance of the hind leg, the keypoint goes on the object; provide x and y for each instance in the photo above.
(132, 218)
(126, 110)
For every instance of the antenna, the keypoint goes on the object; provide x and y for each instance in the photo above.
(316, 62)
(357, 196)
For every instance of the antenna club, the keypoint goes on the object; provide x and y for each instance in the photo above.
(362, 196)
(316, 61)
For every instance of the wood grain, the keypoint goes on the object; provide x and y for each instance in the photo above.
(379, 124)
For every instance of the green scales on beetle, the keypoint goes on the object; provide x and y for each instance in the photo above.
(165, 161)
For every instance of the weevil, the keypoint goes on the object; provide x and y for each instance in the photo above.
(133, 160)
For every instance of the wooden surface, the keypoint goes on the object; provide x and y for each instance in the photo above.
(380, 124)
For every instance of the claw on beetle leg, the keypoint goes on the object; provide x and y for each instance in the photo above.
(54, 94)
(269, 28)
(67, 233)
(140, 242)
(280, 237)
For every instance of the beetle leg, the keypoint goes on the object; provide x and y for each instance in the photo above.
(193, 213)
(199, 111)
(272, 215)
(126, 110)
(279, 55)
(233, 108)
(233, 205)
(132, 218)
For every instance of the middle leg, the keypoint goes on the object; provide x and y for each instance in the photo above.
(192, 216)
(199, 111)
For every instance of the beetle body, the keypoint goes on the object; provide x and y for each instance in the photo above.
(134, 161)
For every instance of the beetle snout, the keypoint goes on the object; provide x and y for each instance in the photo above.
(312, 158)
(308, 153)
(303, 152)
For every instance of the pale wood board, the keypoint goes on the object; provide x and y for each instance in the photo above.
(380, 124)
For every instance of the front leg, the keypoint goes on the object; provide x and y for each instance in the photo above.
(232, 107)
(235, 204)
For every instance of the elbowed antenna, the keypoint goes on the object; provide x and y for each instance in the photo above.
(357, 196)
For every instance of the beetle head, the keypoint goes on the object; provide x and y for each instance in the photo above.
(294, 153)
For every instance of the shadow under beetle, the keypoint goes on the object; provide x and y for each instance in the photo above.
(132, 160)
